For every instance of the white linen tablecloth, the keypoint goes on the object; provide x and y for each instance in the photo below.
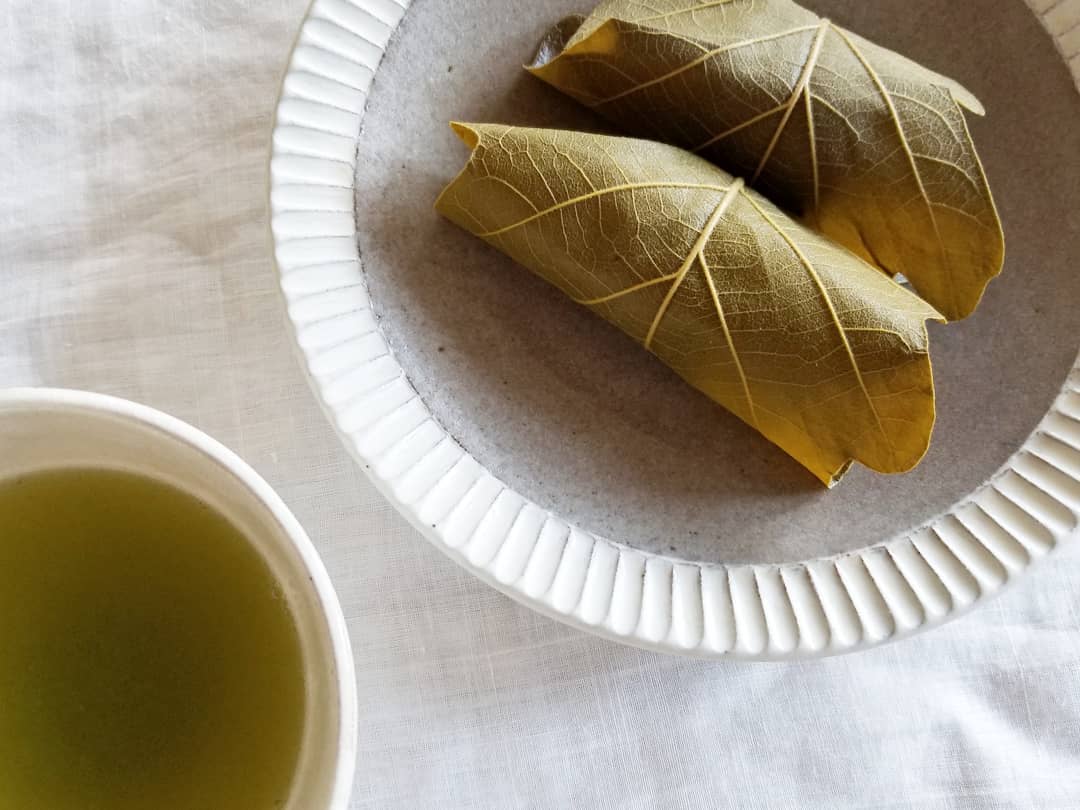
(134, 260)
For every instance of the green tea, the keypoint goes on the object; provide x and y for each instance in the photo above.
(147, 658)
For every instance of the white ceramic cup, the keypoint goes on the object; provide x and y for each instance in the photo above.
(43, 428)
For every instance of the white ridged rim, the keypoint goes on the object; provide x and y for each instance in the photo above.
(818, 607)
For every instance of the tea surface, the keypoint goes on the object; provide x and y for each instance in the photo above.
(148, 659)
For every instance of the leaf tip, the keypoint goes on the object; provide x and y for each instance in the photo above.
(972, 105)
(470, 135)
(554, 43)
(831, 478)
(467, 132)
(966, 99)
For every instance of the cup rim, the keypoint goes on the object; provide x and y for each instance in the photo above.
(79, 401)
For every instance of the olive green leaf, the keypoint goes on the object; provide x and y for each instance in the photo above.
(869, 147)
(800, 338)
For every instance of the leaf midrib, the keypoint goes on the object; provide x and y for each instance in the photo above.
(594, 195)
(802, 86)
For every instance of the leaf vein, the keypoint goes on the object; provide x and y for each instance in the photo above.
(812, 272)
(594, 195)
(699, 245)
(705, 57)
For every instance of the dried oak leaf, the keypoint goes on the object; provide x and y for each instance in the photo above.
(872, 149)
(822, 353)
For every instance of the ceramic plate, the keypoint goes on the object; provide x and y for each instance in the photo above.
(548, 454)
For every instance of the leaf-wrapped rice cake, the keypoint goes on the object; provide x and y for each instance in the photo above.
(803, 340)
(870, 148)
